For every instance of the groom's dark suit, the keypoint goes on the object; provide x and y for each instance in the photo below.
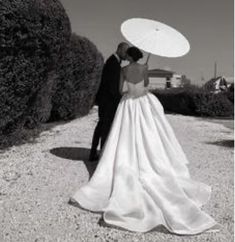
(107, 99)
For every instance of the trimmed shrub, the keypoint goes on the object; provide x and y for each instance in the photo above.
(41, 105)
(195, 101)
(178, 100)
(211, 104)
(79, 74)
(33, 33)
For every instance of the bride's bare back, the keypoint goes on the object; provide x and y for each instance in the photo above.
(136, 78)
(135, 73)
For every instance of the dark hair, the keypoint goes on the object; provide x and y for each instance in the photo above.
(134, 53)
(120, 45)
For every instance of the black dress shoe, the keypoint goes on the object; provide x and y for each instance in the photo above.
(74, 203)
(93, 156)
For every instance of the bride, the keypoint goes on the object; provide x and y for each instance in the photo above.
(142, 179)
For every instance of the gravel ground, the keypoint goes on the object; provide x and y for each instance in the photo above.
(37, 179)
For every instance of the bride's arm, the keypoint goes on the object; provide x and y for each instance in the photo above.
(146, 78)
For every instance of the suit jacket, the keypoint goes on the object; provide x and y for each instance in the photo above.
(109, 86)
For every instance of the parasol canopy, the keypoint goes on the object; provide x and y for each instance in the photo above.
(155, 37)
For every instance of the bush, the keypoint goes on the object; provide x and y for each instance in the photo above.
(210, 104)
(41, 104)
(195, 101)
(178, 100)
(79, 74)
(33, 34)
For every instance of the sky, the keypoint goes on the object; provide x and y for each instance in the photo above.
(208, 25)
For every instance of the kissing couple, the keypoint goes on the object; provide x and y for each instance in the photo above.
(142, 179)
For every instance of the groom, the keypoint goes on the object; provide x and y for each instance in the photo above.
(108, 98)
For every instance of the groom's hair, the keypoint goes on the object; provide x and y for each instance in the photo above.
(121, 45)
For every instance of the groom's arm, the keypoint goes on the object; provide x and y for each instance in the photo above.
(103, 90)
(113, 81)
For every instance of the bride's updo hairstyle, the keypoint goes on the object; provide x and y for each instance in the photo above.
(134, 53)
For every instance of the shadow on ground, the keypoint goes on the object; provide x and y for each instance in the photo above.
(28, 136)
(76, 154)
(31, 135)
(224, 143)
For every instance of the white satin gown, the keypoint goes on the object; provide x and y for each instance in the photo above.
(142, 179)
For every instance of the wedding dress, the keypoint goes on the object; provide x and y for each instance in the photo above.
(142, 179)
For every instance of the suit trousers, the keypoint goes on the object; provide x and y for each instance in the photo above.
(106, 113)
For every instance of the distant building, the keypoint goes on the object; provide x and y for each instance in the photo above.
(176, 81)
(185, 81)
(159, 78)
(216, 85)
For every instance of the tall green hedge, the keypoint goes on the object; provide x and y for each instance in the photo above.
(79, 74)
(33, 34)
(46, 72)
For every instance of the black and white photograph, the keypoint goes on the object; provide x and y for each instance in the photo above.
(116, 121)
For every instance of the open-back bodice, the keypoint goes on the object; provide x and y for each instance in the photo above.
(135, 89)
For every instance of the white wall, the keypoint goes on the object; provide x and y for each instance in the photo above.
(155, 82)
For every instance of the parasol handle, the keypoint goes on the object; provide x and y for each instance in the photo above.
(148, 58)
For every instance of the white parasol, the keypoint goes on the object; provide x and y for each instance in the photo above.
(155, 37)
